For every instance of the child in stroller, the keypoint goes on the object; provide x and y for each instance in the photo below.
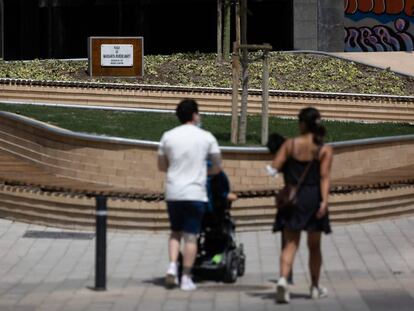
(218, 255)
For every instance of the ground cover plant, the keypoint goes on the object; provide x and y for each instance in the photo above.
(150, 125)
(288, 71)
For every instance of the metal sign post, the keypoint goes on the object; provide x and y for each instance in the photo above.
(100, 255)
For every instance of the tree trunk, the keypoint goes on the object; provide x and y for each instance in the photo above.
(237, 22)
(235, 95)
(245, 75)
(265, 99)
(226, 34)
(219, 30)
(245, 93)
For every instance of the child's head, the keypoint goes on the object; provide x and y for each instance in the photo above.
(274, 142)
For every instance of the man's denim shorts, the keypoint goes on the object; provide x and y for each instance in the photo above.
(186, 216)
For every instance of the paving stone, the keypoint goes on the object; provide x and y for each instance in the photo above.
(174, 304)
(366, 267)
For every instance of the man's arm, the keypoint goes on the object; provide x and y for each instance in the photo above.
(162, 163)
(214, 155)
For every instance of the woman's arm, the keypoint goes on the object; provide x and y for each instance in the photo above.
(325, 171)
(281, 155)
(215, 168)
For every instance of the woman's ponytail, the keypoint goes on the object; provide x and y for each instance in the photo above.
(319, 133)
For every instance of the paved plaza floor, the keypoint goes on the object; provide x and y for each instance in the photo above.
(367, 267)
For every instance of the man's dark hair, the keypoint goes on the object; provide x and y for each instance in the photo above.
(185, 110)
(274, 142)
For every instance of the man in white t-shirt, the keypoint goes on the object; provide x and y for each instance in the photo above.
(183, 154)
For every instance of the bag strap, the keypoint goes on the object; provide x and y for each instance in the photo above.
(306, 171)
(304, 174)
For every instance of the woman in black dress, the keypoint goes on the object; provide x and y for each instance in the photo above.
(311, 211)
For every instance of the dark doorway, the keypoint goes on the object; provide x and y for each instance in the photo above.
(180, 26)
(60, 28)
(271, 21)
(1, 28)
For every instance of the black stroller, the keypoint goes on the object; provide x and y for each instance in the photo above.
(218, 255)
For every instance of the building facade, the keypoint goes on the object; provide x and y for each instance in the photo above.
(60, 28)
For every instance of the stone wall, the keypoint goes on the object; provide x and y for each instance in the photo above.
(132, 165)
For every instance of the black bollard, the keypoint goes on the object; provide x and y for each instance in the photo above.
(290, 277)
(100, 255)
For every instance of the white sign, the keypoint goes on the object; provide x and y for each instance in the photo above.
(117, 55)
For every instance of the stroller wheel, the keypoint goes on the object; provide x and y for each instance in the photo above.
(231, 268)
(241, 267)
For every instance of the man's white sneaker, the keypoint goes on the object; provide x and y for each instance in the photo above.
(318, 292)
(187, 283)
(282, 291)
(171, 278)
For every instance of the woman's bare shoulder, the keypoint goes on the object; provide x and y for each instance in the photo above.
(287, 145)
(288, 141)
(326, 150)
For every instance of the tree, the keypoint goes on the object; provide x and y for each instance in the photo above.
(223, 29)
(226, 30)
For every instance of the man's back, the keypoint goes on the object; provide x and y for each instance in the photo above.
(187, 148)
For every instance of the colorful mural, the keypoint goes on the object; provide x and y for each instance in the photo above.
(379, 25)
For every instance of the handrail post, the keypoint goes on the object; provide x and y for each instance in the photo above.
(100, 254)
